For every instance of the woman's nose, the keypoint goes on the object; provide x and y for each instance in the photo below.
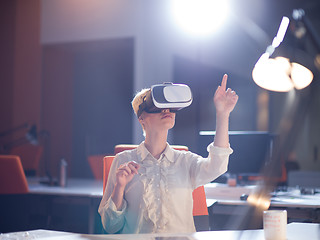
(166, 110)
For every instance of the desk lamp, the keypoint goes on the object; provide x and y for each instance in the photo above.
(30, 136)
(284, 73)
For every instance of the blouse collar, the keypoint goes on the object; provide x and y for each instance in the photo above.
(143, 152)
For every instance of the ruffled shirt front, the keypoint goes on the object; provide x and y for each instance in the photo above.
(159, 198)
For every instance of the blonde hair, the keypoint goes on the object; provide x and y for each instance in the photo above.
(138, 99)
(136, 102)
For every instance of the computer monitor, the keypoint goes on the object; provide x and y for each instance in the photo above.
(251, 150)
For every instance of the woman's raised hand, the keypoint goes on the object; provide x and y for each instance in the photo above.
(224, 99)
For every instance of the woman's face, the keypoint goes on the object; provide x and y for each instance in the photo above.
(164, 120)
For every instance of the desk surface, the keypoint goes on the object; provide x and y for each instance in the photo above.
(74, 187)
(223, 194)
(295, 231)
(220, 193)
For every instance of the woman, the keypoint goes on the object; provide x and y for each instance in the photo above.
(150, 188)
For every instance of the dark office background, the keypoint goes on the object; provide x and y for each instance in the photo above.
(79, 88)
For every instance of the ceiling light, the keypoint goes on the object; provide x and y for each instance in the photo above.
(200, 17)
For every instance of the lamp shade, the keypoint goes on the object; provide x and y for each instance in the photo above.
(300, 75)
(280, 75)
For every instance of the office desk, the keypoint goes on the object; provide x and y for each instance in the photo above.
(72, 208)
(295, 231)
(81, 193)
(227, 211)
(75, 187)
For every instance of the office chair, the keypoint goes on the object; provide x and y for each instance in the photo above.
(200, 210)
(96, 165)
(121, 147)
(12, 176)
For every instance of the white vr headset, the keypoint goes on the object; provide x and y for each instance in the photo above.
(166, 96)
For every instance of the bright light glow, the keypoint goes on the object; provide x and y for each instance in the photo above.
(259, 201)
(301, 76)
(280, 75)
(200, 17)
(272, 74)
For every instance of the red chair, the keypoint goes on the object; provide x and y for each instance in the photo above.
(121, 147)
(200, 210)
(96, 165)
(107, 161)
(12, 177)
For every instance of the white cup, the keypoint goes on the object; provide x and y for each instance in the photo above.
(275, 224)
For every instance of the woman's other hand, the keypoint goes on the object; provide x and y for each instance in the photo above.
(126, 172)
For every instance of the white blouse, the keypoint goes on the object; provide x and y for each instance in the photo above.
(159, 198)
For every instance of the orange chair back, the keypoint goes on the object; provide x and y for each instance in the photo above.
(199, 202)
(121, 147)
(107, 161)
(12, 177)
(96, 165)
(199, 196)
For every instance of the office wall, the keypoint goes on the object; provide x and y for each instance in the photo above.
(20, 65)
(7, 25)
(27, 63)
(103, 86)
(56, 107)
(87, 89)
(72, 21)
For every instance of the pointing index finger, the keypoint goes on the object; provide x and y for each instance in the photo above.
(224, 82)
